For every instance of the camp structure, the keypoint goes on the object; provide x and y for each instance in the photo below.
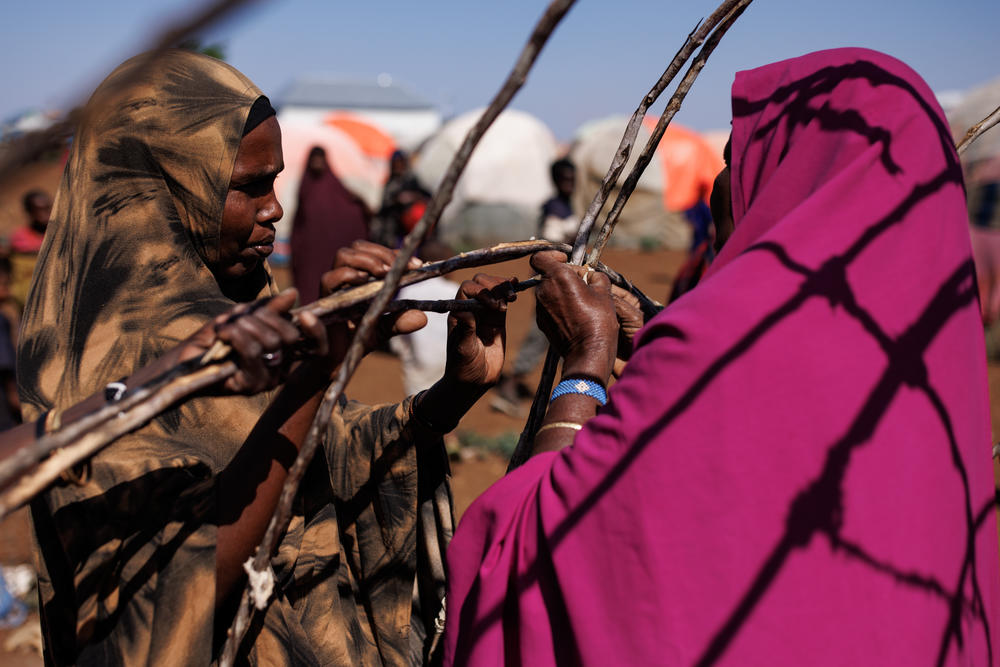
(681, 173)
(499, 195)
(405, 116)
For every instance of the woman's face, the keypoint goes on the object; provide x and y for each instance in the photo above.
(246, 237)
(722, 201)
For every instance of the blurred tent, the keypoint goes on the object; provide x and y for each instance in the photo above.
(974, 106)
(27, 121)
(683, 170)
(981, 163)
(690, 165)
(357, 171)
(499, 194)
(405, 116)
(374, 142)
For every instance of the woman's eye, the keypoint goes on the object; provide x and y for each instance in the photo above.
(257, 188)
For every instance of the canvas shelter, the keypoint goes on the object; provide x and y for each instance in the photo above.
(373, 141)
(404, 115)
(359, 172)
(645, 221)
(500, 193)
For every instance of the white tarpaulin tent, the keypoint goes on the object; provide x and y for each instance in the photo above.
(644, 221)
(499, 194)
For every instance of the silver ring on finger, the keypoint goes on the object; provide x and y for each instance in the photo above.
(271, 359)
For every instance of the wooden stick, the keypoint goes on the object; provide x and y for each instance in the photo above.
(282, 514)
(628, 187)
(692, 42)
(977, 130)
(125, 416)
(701, 32)
(103, 426)
(33, 144)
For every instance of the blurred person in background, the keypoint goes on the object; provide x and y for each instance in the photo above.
(329, 217)
(404, 201)
(556, 222)
(10, 404)
(26, 241)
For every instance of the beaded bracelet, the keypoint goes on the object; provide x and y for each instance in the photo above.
(581, 386)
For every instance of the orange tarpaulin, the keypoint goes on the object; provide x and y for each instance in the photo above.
(689, 163)
(372, 140)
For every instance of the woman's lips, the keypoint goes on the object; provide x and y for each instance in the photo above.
(263, 249)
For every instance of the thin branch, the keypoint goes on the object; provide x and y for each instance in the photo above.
(692, 42)
(111, 421)
(724, 14)
(30, 146)
(282, 514)
(628, 187)
(84, 439)
(977, 130)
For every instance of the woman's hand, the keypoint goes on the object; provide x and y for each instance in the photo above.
(578, 315)
(477, 340)
(258, 334)
(357, 265)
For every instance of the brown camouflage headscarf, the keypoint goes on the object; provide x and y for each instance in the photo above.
(121, 278)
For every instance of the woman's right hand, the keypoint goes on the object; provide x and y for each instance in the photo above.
(259, 334)
(577, 315)
(358, 264)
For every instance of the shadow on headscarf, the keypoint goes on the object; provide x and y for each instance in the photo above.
(817, 508)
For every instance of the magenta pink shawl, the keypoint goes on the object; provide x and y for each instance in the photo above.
(795, 467)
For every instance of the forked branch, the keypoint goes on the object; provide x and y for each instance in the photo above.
(279, 520)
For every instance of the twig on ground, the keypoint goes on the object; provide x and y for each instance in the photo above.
(282, 514)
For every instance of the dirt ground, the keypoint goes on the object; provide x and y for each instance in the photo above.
(379, 380)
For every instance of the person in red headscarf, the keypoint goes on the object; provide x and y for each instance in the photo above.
(329, 217)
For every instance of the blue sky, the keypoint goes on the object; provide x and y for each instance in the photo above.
(602, 58)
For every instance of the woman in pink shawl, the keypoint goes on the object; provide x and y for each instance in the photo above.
(794, 468)
(329, 217)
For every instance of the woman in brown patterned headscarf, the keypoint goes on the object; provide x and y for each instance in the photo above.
(162, 221)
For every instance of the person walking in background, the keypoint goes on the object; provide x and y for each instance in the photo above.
(329, 217)
(26, 241)
(404, 201)
(557, 222)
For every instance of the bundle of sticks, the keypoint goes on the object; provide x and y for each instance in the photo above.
(32, 468)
